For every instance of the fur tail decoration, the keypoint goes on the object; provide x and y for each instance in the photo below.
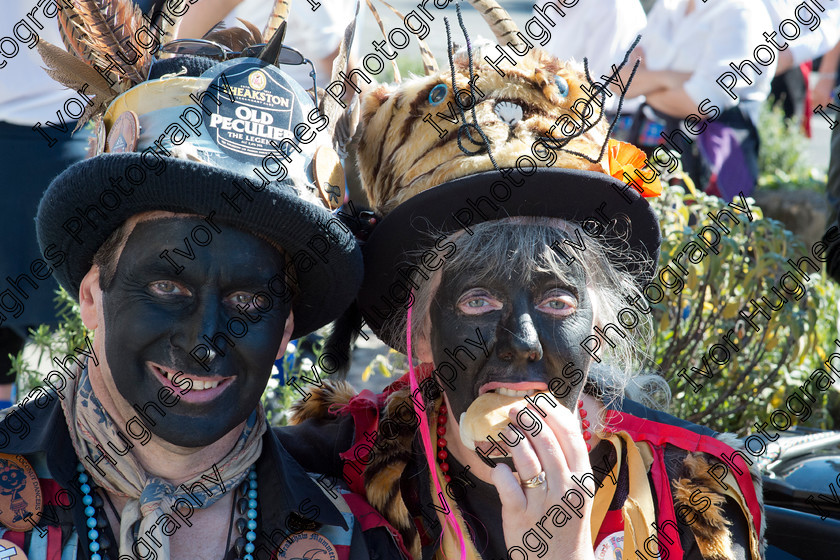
(333, 393)
(710, 527)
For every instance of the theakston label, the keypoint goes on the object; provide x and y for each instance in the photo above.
(266, 105)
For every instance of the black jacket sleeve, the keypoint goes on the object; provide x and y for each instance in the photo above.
(317, 443)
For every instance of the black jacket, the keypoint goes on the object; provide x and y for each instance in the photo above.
(289, 500)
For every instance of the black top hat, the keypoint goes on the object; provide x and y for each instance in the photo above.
(239, 139)
(489, 138)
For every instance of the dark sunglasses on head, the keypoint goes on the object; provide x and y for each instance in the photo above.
(212, 49)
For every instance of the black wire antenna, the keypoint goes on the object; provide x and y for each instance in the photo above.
(597, 91)
(465, 128)
(559, 144)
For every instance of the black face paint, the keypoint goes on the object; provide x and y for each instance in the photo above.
(532, 330)
(154, 318)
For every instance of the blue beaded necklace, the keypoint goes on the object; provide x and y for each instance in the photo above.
(247, 505)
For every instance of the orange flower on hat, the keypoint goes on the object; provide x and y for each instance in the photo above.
(630, 165)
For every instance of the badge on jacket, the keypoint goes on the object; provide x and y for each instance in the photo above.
(20, 493)
(611, 547)
(307, 545)
(10, 551)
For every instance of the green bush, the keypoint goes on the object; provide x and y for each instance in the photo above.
(49, 343)
(770, 363)
(278, 398)
(782, 160)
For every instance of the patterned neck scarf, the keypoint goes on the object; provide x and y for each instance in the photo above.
(93, 431)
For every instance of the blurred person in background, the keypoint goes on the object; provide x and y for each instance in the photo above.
(36, 143)
(685, 47)
(317, 34)
(825, 79)
(793, 73)
(602, 32)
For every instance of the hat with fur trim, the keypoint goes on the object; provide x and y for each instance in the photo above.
(504, 131)
(237, 141)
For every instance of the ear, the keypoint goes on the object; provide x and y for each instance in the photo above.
(423, 348)
(287, 335)
(90, 299)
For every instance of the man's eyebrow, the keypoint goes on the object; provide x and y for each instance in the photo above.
(153, 266)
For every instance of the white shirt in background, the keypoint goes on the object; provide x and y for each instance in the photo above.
(316, 34)
(602, 31)
(705, 41)
(27, 94)
(810, 44)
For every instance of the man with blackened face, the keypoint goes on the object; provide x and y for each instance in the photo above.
(221, 296)
(149, 322)
(191, 287)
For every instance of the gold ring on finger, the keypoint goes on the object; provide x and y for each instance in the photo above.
(534, 482)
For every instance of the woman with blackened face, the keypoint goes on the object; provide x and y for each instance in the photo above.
(521, 311)
(497, 268)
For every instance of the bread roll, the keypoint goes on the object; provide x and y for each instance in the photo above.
(487, 416)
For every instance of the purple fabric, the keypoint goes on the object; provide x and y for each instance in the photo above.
(722, 150)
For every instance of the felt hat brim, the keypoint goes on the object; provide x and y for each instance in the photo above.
(82, 207)
(412, 227)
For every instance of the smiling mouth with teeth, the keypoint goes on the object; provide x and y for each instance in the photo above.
(513, 389)
(176, 379)
(513, 393)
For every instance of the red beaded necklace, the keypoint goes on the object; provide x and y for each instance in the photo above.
(584, 424)
(443, 454)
